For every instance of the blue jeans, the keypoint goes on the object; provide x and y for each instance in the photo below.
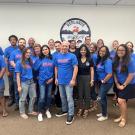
(44, 97)
(104, 88)
(66, 95)
(28, 87)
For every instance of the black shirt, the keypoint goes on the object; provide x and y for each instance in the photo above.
(76, 52)
(84, 68)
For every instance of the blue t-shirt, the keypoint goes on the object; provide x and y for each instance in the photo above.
(133, 56)
(65, 64)
(94, 58)
(2, 65)
(7, 55)
(1, 52)
(123, 76)
(15, 56)
(45, 67)
(103, 69)
(112, 54)
(55, 54)
(35, 72)
(25, 72)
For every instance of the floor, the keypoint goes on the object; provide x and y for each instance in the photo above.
(14, 125)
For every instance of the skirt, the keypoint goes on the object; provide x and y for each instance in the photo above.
(128, 92)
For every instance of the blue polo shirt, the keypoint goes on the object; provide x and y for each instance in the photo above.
(15, 56)
(103, 69)
(45, 67)
(123, 76)
(2, 65)
(1, 52)
(25, 72)
(65, 64)
(7, 54)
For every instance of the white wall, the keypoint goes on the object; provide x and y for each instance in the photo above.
(44, 21)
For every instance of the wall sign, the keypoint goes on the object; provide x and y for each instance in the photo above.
(75, 29)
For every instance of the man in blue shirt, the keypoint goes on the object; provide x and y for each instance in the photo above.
(9, 69)
(14, 58)
(66, 68)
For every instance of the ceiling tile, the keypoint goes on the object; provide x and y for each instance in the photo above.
(106, 2)
(52, 1)
(85, 2)
(12, 1)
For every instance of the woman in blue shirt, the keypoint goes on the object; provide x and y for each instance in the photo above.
(115, 45)
(45, 66)
(104, 73)
(124, 70)
(93, 54)
(130, 46)
(25, 83)
(2, 86)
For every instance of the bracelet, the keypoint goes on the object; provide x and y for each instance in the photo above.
(124, 85)
(103, 81)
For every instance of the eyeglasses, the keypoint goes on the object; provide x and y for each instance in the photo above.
(121, 50)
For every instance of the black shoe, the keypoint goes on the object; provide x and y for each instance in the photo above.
(16, 107)
(70, 119)
(60, 114)
(11, 103)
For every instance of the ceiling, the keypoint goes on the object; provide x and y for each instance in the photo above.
(75, 2)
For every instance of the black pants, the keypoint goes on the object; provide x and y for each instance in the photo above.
(84, 91)
(11, 87)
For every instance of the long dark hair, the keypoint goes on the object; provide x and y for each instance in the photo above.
(42, 55)
(23, 60)
(131, 44)
(103, 59)
(125, 60)
(87, 51)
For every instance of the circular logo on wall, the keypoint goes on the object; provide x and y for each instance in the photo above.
(75, 29)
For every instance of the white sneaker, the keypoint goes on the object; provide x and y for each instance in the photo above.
(40, 117)
(102, 118)
(48, 114)
(99, 115)
(24, 116)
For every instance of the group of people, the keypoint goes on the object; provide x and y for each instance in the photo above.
(85, 73)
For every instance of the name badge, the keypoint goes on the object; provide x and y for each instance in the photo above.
(87, 63)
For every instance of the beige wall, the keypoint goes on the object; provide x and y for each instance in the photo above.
(44, 21)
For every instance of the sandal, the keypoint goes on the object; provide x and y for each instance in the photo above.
(5, 114)
(122, 123)
(92, 109)
(85, 114)
(117, 120)
(33, 113)
(79, 113)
